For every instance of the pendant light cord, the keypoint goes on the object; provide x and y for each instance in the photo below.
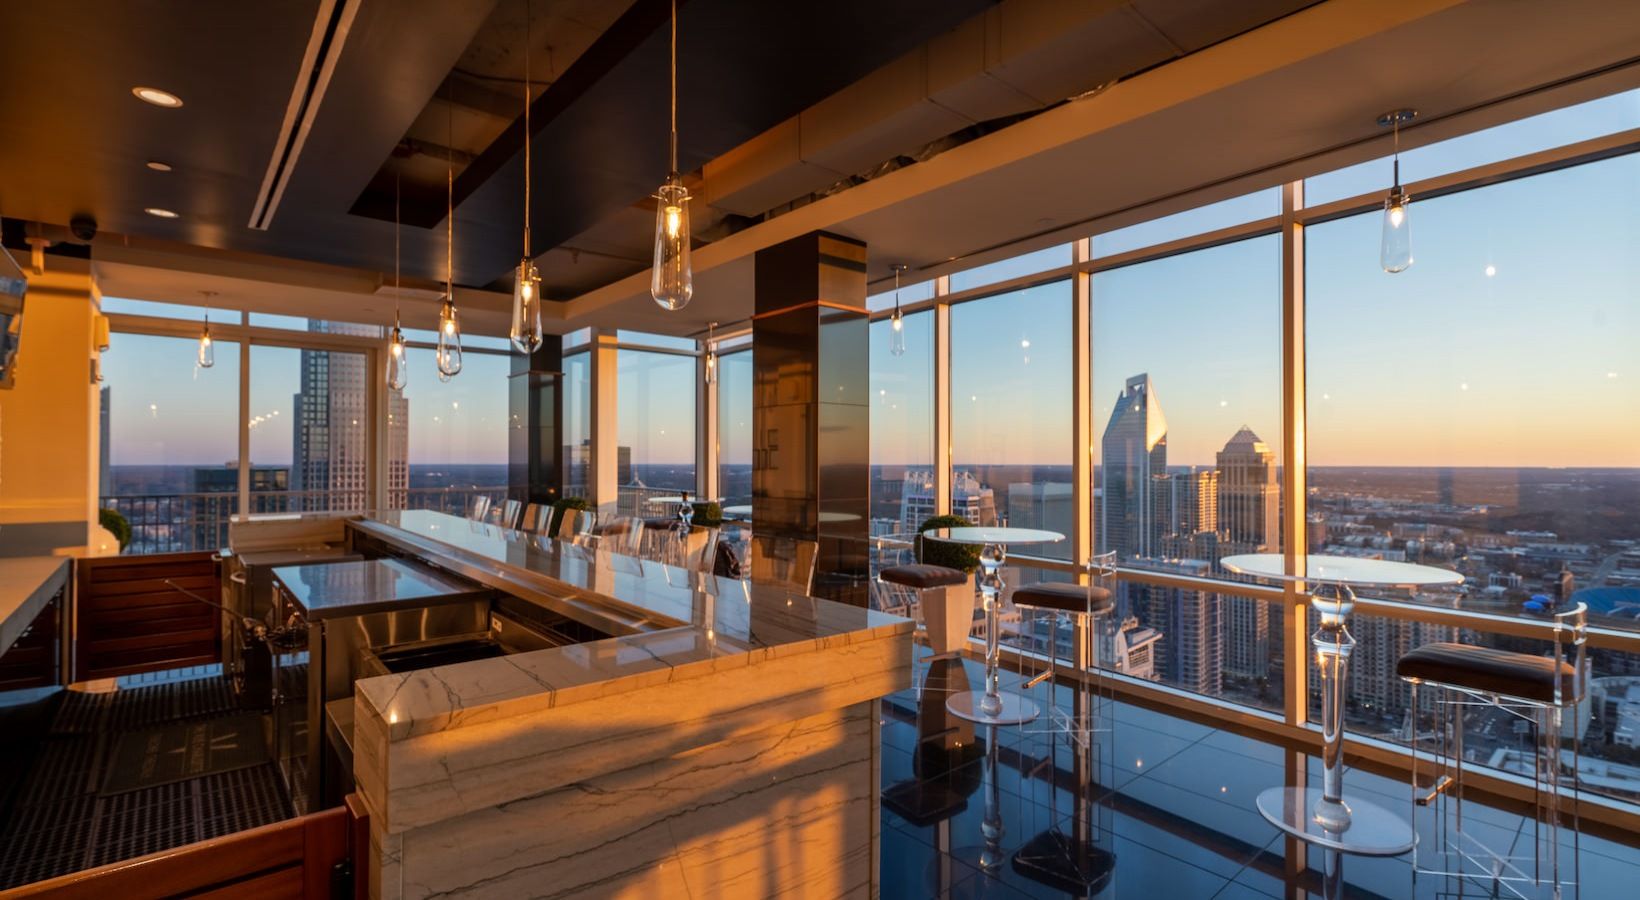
(450, 199)
(1395, 131)
(396, 177)
(674, 146)
(526, 129)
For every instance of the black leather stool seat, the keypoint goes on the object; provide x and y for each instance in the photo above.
(1071, 598)
(1485, 669)
(922, 575)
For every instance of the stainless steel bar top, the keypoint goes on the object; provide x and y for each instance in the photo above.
(667, 620)
(368, 586)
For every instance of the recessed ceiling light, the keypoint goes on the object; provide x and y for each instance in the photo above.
(157, 97)
(157, 211)
(158, 166)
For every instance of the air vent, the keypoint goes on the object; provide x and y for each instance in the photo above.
(330, 29)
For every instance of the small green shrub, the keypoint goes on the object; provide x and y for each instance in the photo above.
(117, 525)
(945, 553)
(709, 515)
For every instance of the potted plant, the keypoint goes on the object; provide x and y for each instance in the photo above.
(948, 614)
(565, 506)
(708, 515)
(117, 525)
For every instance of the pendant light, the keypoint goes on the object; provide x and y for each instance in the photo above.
(711, 354)
(207, 348)
(896, 322)
(526, 311)
(671, 281)
(1395, 246)
(397, 366)
(448, 355)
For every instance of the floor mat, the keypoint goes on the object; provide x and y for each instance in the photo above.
(183, 750)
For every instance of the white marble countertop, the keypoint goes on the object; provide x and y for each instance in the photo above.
(687, 625)
(27, 583)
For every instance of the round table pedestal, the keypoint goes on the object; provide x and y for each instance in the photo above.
(1016, 710)
(1372, 830)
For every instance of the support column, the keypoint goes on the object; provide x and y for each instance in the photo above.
(943, 464)
(811, 415)
(1294, 465)
(603, 475)
(535, 423)
(50, 433)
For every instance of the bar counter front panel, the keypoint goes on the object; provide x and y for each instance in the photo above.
(725, 726)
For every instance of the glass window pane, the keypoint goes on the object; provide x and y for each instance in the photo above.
(909, 293)
(170, 458)
(1480, 410)
(902, 425)
(1014, 267)
(310, 420)
(735, 428)
(1187, 407)
(577, 424)
(469, 341)
(266, 320)
(655, 420)
(1010, 413)
(1556, 128)
(1187, 417)
(1201, 220)
(456, 446)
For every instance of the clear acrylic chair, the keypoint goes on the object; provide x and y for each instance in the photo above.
(478, 509)
(1544, 694)
(510, 512)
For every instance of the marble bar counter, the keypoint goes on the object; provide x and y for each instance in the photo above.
(27, 584)
(724, 743)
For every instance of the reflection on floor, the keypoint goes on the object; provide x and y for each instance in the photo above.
(93, 778)
(1180, 825)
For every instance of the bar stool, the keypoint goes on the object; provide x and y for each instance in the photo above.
(536, 517)
(510, 511)
(1540, 690)
(479, 509)
(947, 612)
(1073, 862)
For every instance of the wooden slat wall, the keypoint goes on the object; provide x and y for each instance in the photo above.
(32, 661)
(290, 860)
(127, 620)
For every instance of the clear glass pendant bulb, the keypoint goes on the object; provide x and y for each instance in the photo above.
(1395, 249)
(711, 365)
(448, 354)
(672, 281)
(398, 371)
(526, 311)
(896, 334)
(207, 348)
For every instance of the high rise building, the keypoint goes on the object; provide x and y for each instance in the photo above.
(330, 454)
(968, 499)
(1186, 503)
(1043, 505)
(1249, 498)
(1191, 652)
(1134, 451)
(105, 480)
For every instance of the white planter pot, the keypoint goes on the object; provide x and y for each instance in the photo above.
(948, 615)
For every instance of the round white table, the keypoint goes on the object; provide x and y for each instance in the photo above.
(992, 706)
(1325, 816)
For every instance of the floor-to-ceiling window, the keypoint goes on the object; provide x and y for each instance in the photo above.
(453, 433)
(734, 437)
(577, 453)
(170, 453)
(309, 424)
(1186, 445)
(902, 425)
(1480, 411)
(655, 427)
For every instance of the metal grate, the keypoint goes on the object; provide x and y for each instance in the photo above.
(58, 823)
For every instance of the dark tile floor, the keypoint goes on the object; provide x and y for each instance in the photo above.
(1180, 823)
